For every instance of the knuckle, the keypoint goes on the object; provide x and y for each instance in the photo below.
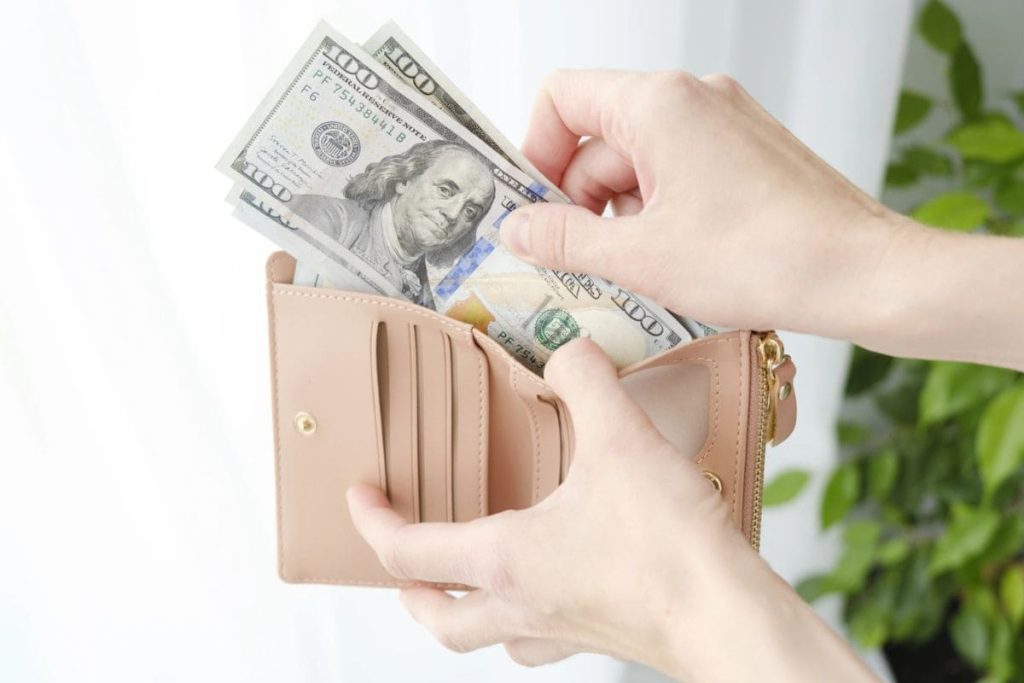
(547, 237)
(392, 562)
(677, 82)
(723, 83)
(393, 558)
(496, 570)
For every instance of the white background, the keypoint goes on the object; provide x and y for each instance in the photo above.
(136, 490)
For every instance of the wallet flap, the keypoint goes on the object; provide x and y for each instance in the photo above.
(369, 389)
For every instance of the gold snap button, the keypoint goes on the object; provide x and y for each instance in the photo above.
(716, 483)
(785, 390)
(305, 423)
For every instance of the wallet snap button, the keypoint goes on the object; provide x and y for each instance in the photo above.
(716, 483)
(305, 423)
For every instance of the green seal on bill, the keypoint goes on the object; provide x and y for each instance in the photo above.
(555, 327)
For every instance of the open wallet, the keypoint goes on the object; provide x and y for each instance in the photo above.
(452, 427)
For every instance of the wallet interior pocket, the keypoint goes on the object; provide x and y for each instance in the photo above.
(434, 414)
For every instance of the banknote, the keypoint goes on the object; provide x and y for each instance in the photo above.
(392, 48)
(345, 159)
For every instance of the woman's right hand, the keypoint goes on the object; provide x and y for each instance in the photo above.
(724, 216)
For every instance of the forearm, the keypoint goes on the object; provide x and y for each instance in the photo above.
(907, 290)
(755, 627)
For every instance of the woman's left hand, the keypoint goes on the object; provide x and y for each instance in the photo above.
(634, 555)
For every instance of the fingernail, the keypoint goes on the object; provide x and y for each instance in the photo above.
(515, 232)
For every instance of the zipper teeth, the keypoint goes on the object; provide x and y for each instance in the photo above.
(762, 433)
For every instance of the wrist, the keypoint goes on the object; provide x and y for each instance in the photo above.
(844, 276)
(751, 625)
(942, 295)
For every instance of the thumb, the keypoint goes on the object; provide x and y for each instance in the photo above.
(583, 376)
(564, 237)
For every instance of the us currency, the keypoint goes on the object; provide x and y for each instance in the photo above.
(392, 48)
(385, 186)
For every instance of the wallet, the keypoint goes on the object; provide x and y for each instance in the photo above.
(452, 427)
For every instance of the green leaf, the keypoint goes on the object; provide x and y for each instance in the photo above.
(968, 533)
(919, 598)
(900, 404)
(992, 139)
(1000, 440)
(860, 539)
(893, 551)
(785, 487)
(969, 633)
(965, 81)
(1011, 593)
(1000, 652)
(940, 27)
(1009, 196)
(851, 433)
(867, 369)
(981, 174)
(883, 468)
(869, 624)
(813, 587)
(1007, 542)
(952, 388)
(953, 211)
(927, 161)
(841, 493)
(913, 107)
(900, 175)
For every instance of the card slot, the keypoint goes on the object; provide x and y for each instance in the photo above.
(379, 387)
(396, 371)
(416, 420)
(469, 382)
(564, 453)
(435, 424)
(450, 428)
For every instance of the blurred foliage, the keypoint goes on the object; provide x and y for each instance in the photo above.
(930, 491)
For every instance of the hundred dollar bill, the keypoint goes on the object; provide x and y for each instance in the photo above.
(360, 167)
(391, 47)
(312, 257)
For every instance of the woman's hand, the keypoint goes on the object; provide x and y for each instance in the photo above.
(634, 556)
(724, 216)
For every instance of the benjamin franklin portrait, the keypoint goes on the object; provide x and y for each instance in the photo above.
(407, 210)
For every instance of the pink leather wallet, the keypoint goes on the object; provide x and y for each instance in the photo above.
(451, 427)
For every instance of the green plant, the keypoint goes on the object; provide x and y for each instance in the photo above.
(930, 490)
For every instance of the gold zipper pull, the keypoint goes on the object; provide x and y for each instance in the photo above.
(772, 355)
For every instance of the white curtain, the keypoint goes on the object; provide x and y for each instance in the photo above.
(136, 489)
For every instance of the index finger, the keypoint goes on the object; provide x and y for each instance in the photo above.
(574, 103)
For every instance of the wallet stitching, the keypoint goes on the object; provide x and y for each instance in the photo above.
(394, 584)
(736, 447)
(277, 428)
(536, 440)
(480, 435)
(434, 317)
